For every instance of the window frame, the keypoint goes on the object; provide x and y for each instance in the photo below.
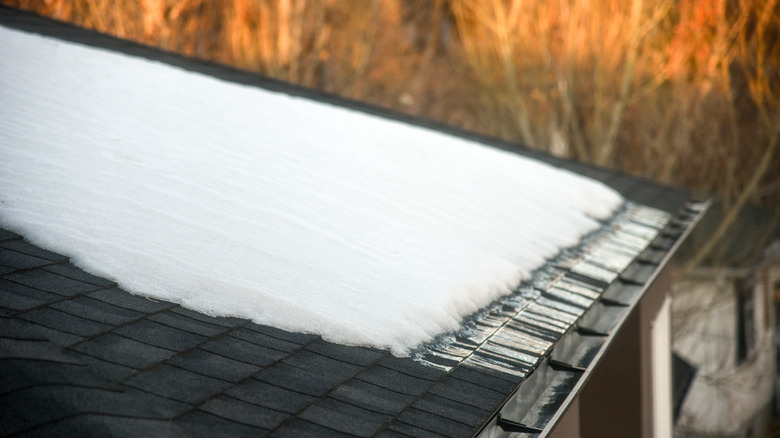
(745, 319)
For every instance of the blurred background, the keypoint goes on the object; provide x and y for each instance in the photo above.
(685, 92)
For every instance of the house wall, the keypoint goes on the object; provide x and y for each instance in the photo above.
(617, 401)
(569, 425)
(611, 401)
(656, 359)
(661, 348)
(728, 398)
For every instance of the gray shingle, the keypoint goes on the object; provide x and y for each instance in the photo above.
(96, 310)
(205, 425)
(410, 367)
(123, 351)
(300, 380)
(478, 396)
(236, 349)
(120, 298)
(18, 297)
(270, 396)
(14, 260)
(372, 397)
(70, 271)
(52, 335)
(387, 433)
(6, 235)
(33, 350)
(30, 407)
(394, 380)
(100, 426)
(297, 338)
(160, 335)
(13, 328)
(177, 384)
(316, 363)
(107, 370)
(261, 339)
(245, 413)
(218, 320)
(65, 322)
(24, 247)
(182, 322)
(484, 378)
(454, 410)
(344, 417)
(213, 365)
(298, 428)
(16, 374)
(413, 431)
(355, 355)
(51, 282)
(436, 423)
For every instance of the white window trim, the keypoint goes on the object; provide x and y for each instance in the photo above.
(661, 339)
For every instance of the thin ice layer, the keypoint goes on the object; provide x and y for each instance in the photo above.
(234, 200)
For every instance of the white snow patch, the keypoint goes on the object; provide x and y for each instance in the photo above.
(234, 200)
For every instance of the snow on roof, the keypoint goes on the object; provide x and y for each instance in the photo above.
(234, 200)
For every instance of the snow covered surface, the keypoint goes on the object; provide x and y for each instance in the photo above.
(234, 200)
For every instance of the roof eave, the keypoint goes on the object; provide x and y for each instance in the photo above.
(546, 381)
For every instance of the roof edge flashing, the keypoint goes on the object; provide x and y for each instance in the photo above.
(538, 402)
(692, 213)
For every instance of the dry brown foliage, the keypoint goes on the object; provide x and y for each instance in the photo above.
(682, 91)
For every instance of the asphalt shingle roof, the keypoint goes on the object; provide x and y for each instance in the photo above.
(81, 357)
(78, 354)
(93, 352)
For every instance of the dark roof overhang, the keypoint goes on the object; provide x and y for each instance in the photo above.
(548, 388)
